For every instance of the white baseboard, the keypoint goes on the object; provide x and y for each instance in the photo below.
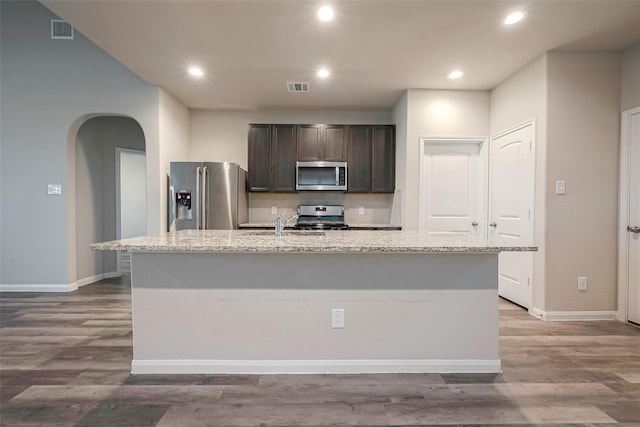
(572, 316)
(30, 287)
(313, 366)
(97, 277)
(61, 287)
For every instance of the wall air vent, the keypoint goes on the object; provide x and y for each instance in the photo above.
(61, 29)
(298, 86)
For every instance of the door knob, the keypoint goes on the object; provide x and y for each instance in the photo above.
(474, 223)
(492, 224)
(635, 229)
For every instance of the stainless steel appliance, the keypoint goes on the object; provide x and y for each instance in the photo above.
(331, 176)
(207, 195)
(321, 217)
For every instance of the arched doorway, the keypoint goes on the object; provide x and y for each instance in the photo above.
(98, 199)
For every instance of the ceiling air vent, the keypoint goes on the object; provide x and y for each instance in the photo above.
(298, 86)
(61, 29)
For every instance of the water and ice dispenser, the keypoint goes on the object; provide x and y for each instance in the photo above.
(183, 205)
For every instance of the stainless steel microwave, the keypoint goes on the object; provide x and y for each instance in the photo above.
(326, 176)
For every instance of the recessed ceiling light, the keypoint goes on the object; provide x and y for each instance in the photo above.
(325, 13)
(515, 17)
(455, 74)
(196, 72)
(323, 72)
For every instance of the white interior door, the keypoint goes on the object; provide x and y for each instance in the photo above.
(511, 179)
(453, 187)
(632, 226)
(132, 199)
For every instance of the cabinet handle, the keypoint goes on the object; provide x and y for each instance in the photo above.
(474, 223)
(635, 229)
(493, 224)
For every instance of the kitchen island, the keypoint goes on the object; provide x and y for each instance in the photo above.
(245, 301)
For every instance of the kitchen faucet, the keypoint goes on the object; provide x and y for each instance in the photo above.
(280, 225)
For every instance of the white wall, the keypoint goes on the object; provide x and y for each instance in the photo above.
(400, 117)
(49, 88)
(434, 113)
(583, 137)
(174, 136)
(520, 98)
(631, 78)
(221, 136)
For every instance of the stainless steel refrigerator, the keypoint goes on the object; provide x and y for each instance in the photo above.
(207, 195)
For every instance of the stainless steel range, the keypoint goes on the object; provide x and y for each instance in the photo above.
(321, 217)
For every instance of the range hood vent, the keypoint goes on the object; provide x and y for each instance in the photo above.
(298, 86)
(61, 29)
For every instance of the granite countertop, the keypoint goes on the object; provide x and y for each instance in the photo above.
(238, 241)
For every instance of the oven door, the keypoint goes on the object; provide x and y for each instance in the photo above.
(331, 176)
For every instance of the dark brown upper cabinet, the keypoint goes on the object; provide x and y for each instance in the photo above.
(359, 159)
(321, 142)
(283, 157)
(272, 158)
(370, 152)
(383, 159)
(371, 159)
(259, 173)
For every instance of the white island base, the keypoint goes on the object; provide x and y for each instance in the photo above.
(270, 313)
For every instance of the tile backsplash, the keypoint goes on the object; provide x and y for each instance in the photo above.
(378, 208)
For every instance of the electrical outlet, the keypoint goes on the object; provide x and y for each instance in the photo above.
(561, 187)
(337, 318)
(582, 283)
(274, 210)
(361, 210)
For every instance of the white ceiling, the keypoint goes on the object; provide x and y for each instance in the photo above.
(374, 49)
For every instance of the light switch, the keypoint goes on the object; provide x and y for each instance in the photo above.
(337, 318)
(561, 187)
(361, 210)
(55, 189)
(274, 210)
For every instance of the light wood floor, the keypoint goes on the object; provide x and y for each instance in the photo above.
(65, 360)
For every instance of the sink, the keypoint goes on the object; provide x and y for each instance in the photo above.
(285, 233)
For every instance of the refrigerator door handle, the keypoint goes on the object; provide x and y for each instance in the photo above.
(205, 197)
(198, 198)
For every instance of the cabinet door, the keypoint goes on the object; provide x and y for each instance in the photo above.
(359, 159)
(383, 179)
(259, 158)
(310, 142)
(283, 151)
(334, 143)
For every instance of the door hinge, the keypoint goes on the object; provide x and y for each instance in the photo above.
(530, 145)
(528, 281)
(529, 213)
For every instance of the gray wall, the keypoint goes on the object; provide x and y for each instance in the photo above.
(631, 78)
(583, 137)
(222, 135)
(49, 88)
(575, 99)
(96, 188)
(435, 113)
(520, 98)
